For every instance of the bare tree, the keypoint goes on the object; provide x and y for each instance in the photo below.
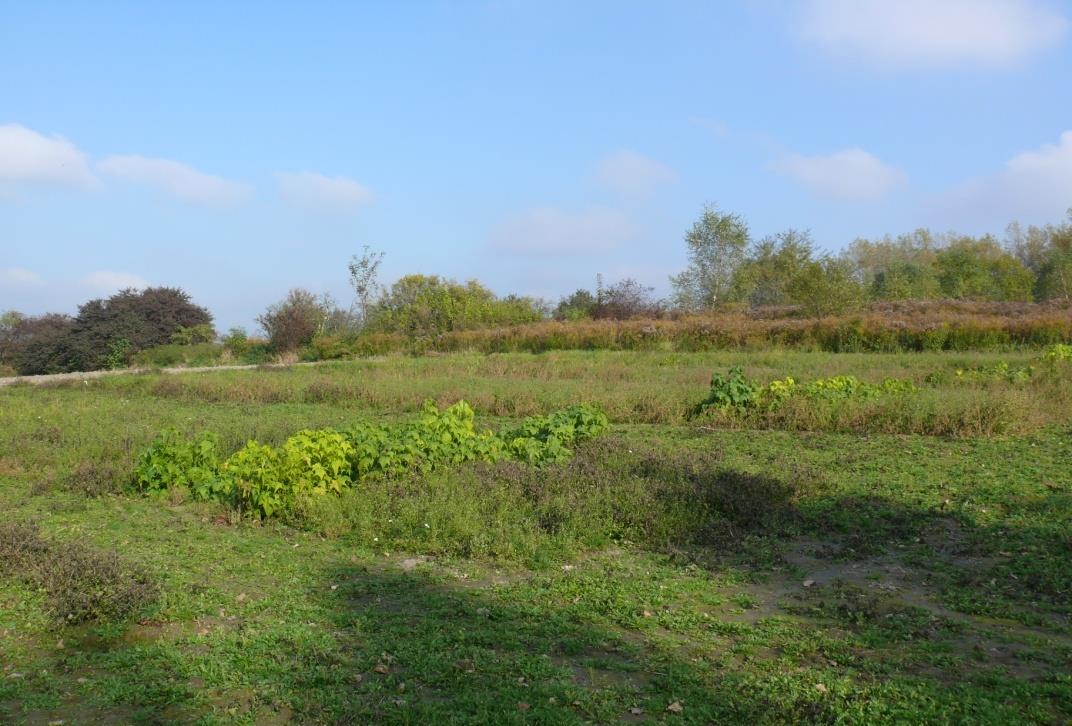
(364, 270)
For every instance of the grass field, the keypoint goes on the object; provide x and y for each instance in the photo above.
(896, 559)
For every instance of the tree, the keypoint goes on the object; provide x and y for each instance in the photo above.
(364, 273)
(825, 287)
(979, 269)
(424, 305)
(143, 319)
(294, 321)
(38, 344)
(717, 243)
(578, 305)
(771, 263)
(626, 299)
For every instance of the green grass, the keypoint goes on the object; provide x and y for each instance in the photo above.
(746, 575)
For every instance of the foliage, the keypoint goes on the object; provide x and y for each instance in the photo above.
(825, 287)
(578, 305)
(716, 246)
(314, 462)
(175, 461)
(733, 391)
(764, 276)
(292, 322)
(119, 354)
(546, 439)
(194, 334)
(1057, 353)
(364, 271)
(36, 345)
(428, 305)
(105, 333)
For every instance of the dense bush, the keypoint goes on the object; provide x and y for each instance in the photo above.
(267, 481)
(105, 333)
(292, 322)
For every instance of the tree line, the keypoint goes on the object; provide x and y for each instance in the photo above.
(726, 266)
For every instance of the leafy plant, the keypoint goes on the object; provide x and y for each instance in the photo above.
(172, 461)
(315, 462)
(733, 392)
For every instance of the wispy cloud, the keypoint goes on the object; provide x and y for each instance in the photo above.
(310, 190)
(633, 174)
(175, 178)
(852, 174)
(106, 282)
(18, 278)
(928, 33)
(28, 157)
(549, 230)
(1033, 186)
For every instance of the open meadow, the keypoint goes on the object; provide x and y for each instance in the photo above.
(887, 538)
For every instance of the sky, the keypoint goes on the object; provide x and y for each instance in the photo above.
(240, 149)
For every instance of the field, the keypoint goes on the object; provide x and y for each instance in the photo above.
(901, 555)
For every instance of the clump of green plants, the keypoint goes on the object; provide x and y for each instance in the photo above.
(736, 393)
(81, 584)
(1057, 353)
(546, 439)
(730, 392)
(268, 481)
(175, 461)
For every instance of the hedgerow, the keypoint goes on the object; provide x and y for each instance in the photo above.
(268, 481)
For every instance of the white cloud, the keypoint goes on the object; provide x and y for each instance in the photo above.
(18, 277)
(315, 191)
(633, 174)
(29, 157)
(927, 33)
(846, 174)
(548, 230)
(105, 281)
(175, 178)
(1034, 186)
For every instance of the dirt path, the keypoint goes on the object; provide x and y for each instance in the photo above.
(56, 377)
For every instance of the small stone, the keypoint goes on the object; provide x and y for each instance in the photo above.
(809, 583)
(675, 707)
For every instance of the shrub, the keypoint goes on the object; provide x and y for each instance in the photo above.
(294, 321)
(730, 392)
(546, 439)
(316, 462)
(94, 479)
(81, 584)
(173, 461)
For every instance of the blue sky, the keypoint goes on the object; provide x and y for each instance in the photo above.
(240, 149)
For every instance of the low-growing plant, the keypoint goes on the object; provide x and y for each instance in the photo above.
(173, 460)
(731, 392)
(81, 584)
(546, 439)
(314, 462)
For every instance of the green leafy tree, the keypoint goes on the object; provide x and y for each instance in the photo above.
(427, 305)
(717, 243)
(772, 263)
(979, 269)
(825, 287)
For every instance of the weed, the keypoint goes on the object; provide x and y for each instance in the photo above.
(81, 584)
